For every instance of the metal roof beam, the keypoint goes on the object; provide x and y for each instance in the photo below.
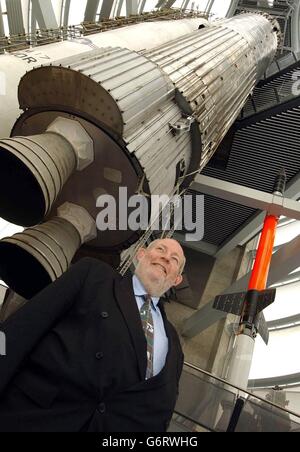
(295, 38)
(65, 13)
(91, 10)
(284, 323)
(43, 13)
(209, 6)
(275, 205)
(2, 32)
(106, 9)
(169, 3)
(284, 261)
(142, 6)
(160, 3)
(254, 225)
(282, 381)
(232, 8)
(131, 7)
(15, 17)
(119, 8)
(185, 4)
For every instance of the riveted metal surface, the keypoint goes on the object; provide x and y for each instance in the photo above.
(114, 86)
(216, 69)
(131, 97)
(137, 98)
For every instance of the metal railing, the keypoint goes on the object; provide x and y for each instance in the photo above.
(41, 37)
(213, 404)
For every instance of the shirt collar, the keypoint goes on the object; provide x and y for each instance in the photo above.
(139, 290)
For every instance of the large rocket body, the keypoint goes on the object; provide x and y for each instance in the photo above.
(136, 37)
(155, 117)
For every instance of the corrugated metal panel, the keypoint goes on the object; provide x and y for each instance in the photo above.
(66, 13)
(221, 218)
(131, 7)
(91, 10)
(43, 13)
(2, 33)
(273, 93)
(15, 17)
(106, 9)
(258, 152)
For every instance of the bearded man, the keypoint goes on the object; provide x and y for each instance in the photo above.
(94, 351)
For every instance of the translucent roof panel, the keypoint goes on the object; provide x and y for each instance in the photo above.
(279, 358)
(286, 304)
(77, 10)
(287, 233)
(57, 9)
(220, 8)
(200, 4)
(4, 16)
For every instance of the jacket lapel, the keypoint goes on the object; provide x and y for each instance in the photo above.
(128, 306)
(168, 329)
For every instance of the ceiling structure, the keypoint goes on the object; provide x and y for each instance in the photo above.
(262, 141)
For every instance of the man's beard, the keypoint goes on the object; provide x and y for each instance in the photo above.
(153, 286)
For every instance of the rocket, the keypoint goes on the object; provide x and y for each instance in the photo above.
(92, 123)
(250, 304)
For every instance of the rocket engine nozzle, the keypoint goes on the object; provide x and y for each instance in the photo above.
(44, 251)
(33, 170)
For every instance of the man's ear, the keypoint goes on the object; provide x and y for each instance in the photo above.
(140, 254)
(178, 280)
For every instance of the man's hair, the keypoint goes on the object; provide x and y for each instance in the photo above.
(182, 265)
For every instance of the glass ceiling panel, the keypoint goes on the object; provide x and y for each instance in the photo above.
(77, 10)
(287, 233)
(286, 304)
(280, 357)
(220, 8)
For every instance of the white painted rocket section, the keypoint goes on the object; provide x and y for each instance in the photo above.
(241, 359)
(135, 37)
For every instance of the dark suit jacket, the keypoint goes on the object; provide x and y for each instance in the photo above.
(76, 359)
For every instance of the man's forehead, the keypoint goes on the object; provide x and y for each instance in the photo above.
(171, 244)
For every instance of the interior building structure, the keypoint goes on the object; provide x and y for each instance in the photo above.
(263, 139)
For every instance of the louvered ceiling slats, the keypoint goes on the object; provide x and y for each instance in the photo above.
(258, 152)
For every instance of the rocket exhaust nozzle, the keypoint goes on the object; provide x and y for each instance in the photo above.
(33, 171)
(31, 260)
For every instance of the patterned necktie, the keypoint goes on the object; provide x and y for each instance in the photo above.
(147, 322)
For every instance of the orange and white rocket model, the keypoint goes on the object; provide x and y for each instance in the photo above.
(251, 303)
